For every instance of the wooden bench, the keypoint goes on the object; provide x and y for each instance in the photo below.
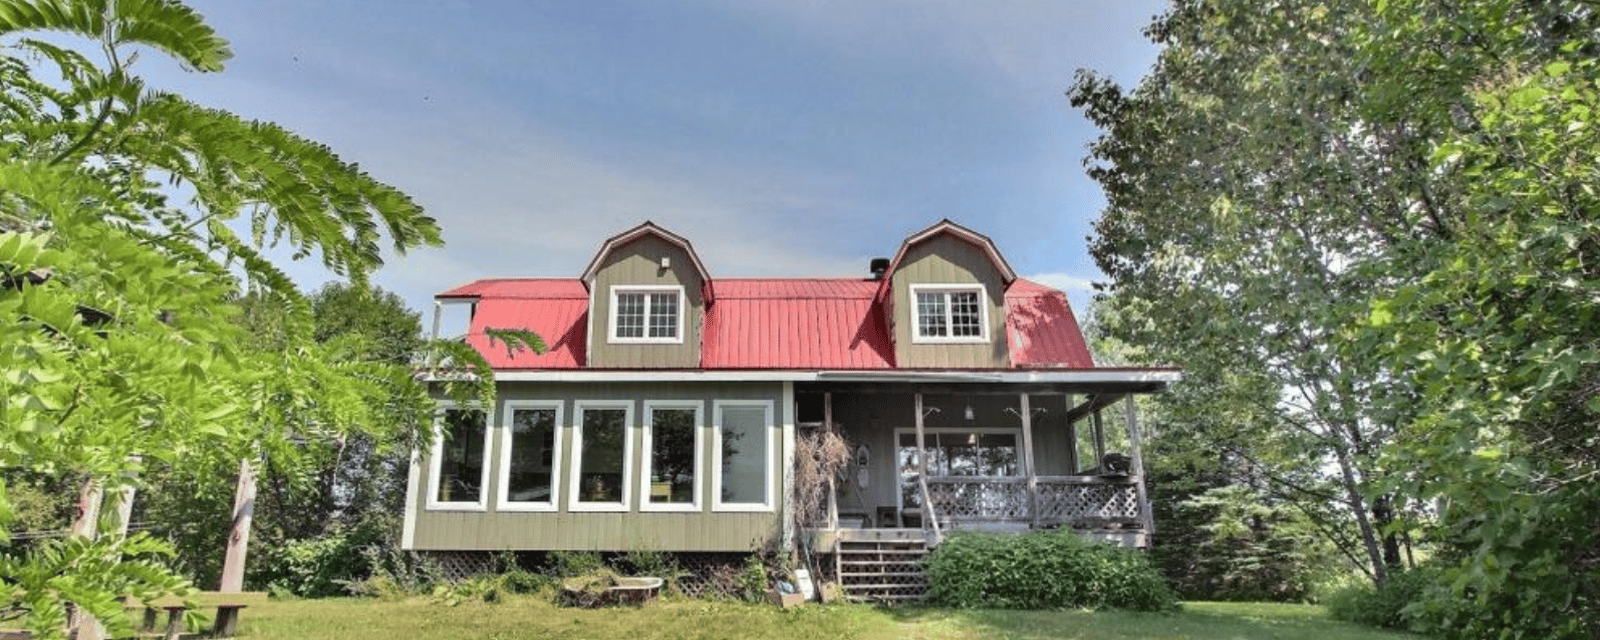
(227, 604)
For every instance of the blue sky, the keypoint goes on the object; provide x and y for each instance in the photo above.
(782, 138)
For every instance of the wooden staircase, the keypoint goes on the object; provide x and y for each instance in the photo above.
(881, 565)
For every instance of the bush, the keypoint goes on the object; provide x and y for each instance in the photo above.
(1043, 570)
(571, 564)
(752, 579)
(1361, 603)
(315, 568)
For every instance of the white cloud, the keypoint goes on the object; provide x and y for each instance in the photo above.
(1063, 281)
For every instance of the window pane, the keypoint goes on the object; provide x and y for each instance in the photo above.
(600, 464)
(964, 314)
(997, 453)
(744, 455)
(664, 315)
(461, 459)
(910, 489)
(533, 441)
(930, 314)
(630, 315)
(672, 456)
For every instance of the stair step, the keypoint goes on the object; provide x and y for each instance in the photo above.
(857, 588)
(883, 574)
(902, 552)
(887, 596)
(878, 563)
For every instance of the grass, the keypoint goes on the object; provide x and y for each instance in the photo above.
(528, 617)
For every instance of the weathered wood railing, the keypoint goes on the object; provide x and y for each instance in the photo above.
(1058, 500)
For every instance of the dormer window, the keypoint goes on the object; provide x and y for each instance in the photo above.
(949, 313)
(646, 314)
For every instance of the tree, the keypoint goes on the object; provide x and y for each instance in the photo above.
(117, 301)
(1383, 211)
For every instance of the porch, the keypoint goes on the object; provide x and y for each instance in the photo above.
(931, 458)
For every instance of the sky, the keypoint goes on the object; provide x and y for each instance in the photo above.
(798, 138)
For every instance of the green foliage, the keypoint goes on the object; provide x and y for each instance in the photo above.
(1042, 570)
(1398, 604)
(1243, 547)
(752, 581)
(314, 568)
(93, 574)
(1384, 212)
(120, 347)
(571, 564)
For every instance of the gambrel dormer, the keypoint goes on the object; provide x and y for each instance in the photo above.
(944, 295)
(648, 293)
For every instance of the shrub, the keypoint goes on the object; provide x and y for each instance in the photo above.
(571, 564)
(1042, 570)
(752, 579)
(312, 568)
(1361, 603)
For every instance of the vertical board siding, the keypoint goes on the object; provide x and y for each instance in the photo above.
(947, 260)
(639, 263)
(704, 530)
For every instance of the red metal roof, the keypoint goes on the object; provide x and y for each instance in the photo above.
(556, 309)
(796, 324)
(768, 323)
(1041, 330)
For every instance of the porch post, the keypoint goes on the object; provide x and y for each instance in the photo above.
(1027, 461)
(1145, 518)
(1099, 441)
(833, 499)
(930, 518)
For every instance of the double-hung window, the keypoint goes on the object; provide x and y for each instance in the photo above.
(949, 313)
(647, 314)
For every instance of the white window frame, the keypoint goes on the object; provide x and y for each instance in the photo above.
(648, 439)
(916, 316)
(503, 500)
(575, 484)
(618, 290)
(770, 494)
(436, 460)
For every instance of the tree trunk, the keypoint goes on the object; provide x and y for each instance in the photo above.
(1358, 508)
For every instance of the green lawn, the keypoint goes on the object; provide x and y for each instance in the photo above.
(526, 617)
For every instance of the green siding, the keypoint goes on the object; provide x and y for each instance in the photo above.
(705, 530)
(639, 263)
(946, 260)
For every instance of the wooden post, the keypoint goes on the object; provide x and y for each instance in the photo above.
(244, 509)
(1027, 462)
(1137, 453)
(930, 518)
(81, 625)
(833, 497)
(1099, 441)
(1073, 466)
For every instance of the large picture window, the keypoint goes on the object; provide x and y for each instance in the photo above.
(600, 450)
(972, 452)
(647, 314)
(459, 472)
(949, 313)
(742, 447)
(530, 442)
(673, 479)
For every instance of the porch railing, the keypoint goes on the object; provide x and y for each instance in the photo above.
(1085, 502)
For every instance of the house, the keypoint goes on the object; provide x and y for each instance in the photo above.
(665, 413)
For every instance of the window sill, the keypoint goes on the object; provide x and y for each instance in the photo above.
(457, 506)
